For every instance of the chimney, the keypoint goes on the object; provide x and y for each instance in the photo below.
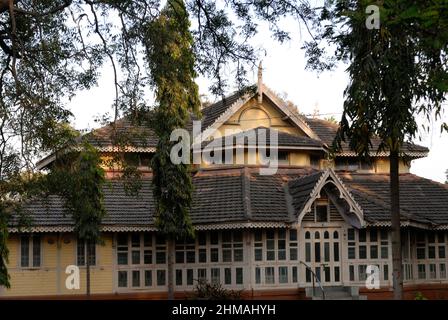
(260, 84)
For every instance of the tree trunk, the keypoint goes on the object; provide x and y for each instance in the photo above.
(87, 243)
(170, 251)
(395, 218)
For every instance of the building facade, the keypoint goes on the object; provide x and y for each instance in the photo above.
(318, 221)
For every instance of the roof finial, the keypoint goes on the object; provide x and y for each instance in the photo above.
(260, 83)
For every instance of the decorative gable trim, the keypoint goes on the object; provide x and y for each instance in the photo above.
(290, 113)
(210, 130)
(330, 177)
(279, 103)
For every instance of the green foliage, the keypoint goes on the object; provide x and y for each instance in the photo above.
(420, 296)
(78, 178)
(204, 290)
(395, 72)
(4, 251)
(171, 61)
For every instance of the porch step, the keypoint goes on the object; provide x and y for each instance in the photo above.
(335, 293)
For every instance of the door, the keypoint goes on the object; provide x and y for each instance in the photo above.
(321, 251)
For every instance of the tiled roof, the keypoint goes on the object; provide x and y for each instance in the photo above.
(212, 112)
(241, 195)
(284, 139)
(127, 133)
(421, 200)
(326, 131)
(301, 189)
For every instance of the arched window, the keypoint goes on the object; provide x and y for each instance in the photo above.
(335, 235)
(317, 235)
(326, 235)
(307, 235)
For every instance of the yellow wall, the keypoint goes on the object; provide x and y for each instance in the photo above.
(253, 115)
(295, 158)
(50, 278)
(382, 166)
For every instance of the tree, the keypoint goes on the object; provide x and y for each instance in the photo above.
(446, 173)
(171, 61)
(396, 71)
(49, 50)
(78, 178)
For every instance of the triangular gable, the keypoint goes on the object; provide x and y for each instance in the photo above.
(289, 112)
(329, 176)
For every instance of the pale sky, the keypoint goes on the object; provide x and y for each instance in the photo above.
(284, 72)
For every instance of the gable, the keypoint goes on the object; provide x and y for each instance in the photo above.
(245, 113)
(333, 213)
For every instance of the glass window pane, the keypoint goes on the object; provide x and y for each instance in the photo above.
(160, 257)
(257, 275)
(351, 234)
(269, 275)
(336, 251)
(431, 252)
(122, 258)
(36, 251)
(148, 278)
(228, 276)
(293, 235)
(80, 253)
(92, 254)
(122, 279)
(308, 252)
(202, 274)
(441, 252)
(178, 277)
(227, 255)
(362, 252)
(215, 276)
(351, 253)
(294, 275)
(136, 257)
(239, 275)
(24, 251)
(189, 277)
(326, 251)
(136, 278)
(293, 254)
(373, 252)
(214, 255)
(202, 255)
(384, 252)
(283, 274)
(191, 256)
(147, 257)
(161, 277)
(238, 255)
(317, 252)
